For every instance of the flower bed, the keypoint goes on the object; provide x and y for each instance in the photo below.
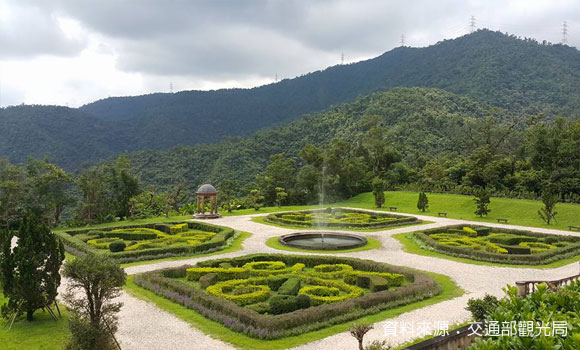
(149, 241)
(340, 218)
(313, 292)
(500, 245)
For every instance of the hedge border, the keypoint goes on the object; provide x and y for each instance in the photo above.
(243, 320)
(276, 218)
(516, 259)
(216, 243)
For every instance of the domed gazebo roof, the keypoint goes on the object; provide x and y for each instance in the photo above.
(206, 189)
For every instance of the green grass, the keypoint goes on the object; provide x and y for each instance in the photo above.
(41, 334)
(218, 331)
(410, 246)
(517, 211)
(235, 246)
(262, 220)
(371, 244)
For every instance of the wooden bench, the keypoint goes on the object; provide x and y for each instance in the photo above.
(502, 220)
(442, 214)
(393, 208)
(574, 228)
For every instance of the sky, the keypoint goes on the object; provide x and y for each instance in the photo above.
(73, 52)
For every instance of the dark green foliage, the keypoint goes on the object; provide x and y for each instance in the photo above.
(208, 280)
(276, 281)
(290, 287)
(30, 271)
(482, 202)
(363, 281)
(378, 283)
(379, 191)
(280, 304)
(482, 230)
(118, 246)
(423, 202)
(481, 308)
(516, 249)
(95, 281)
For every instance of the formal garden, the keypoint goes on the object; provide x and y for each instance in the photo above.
(499, 245)
(268, 296)
(148, 241)
(340, 218)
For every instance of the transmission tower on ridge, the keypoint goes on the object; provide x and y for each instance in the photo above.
(402, 40)
(565, 33)
(170, 88)
(342, 58)
(472, 24)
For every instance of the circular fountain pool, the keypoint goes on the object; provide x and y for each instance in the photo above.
(322, 240)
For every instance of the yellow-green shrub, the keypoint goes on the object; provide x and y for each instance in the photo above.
(259, 293)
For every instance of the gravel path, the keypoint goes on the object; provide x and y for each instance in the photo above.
(144, 326)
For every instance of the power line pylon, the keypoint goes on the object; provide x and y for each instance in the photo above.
(402, 40)
(565, 33)
(472, 24)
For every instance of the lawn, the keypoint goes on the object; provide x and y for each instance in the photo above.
(41, 334)
(450, 290)
(517, 211)
(371, 244)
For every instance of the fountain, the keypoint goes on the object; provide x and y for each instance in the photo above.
(322, 240)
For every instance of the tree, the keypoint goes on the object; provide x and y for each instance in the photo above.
(50, 187)
(255, 199)
(227, 191)
(358, 331)
(482, 202)
(95, 205)
(550, 198)
(30, 271)
(123, 185)
(281, 196)
(94, 282)
(379, 192)
(423, 202)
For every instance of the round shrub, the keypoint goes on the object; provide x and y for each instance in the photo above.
(320, 291)
(265, 265)
(332, 270)
(117, 246)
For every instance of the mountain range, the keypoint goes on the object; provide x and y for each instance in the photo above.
(521, 76)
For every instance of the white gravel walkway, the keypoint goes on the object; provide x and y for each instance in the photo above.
(144, 326)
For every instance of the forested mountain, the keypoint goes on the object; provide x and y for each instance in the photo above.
(420, 123)
(519, 75)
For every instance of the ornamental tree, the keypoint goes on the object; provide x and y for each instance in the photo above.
(30, 270)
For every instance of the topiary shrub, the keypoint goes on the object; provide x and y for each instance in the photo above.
(290, 287)
(261, 308)
(378, 283)
(208, 280)
(281, 304)
(117, 246)
(275, 282)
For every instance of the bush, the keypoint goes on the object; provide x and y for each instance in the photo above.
(208, 280)
(290, 287)
(516, 249)
(131, 235)
(194, 273)
(252, 293)
(394, 279)
(281, 304)
(275, 282)
(378, 283)
(481, 308)
(261, 308)
(117, 246)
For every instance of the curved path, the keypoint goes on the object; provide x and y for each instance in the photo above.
(143, 326)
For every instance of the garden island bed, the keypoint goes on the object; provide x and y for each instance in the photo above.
(340, 218)
(499, 245)
(269, 296)
(148, 241)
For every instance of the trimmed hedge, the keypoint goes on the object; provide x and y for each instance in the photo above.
(540, 258)
(255, 294)
(290, 287)
(253, 324)
(293, 219)
(117, 246)
(223, 234)
(281, 304)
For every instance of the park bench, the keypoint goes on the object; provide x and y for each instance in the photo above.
(574, 228)
(502, 220)
(393, 208)
(442, 214)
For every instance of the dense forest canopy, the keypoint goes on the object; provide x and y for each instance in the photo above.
(521, 76)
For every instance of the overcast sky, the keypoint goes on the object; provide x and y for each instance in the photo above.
(71, 52)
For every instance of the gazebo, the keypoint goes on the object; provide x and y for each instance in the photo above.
(204, 192)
